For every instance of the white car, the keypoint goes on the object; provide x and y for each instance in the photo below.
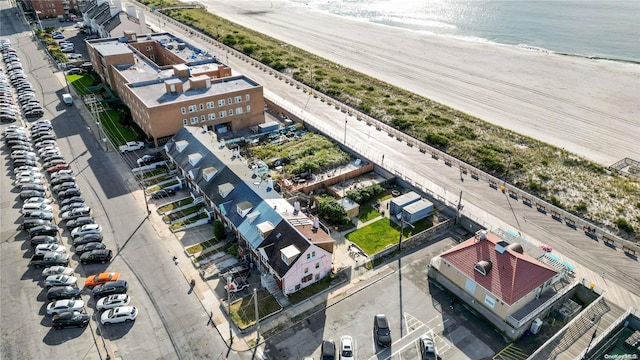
(113, 301)
(131, 146)
(61, 306)
(45, 143)
(119, 315)
(346, 350)
(86, 229)
(28, 180)
(34, 206)
(29, 173)
(45, 248)
(38, 200)
(74, 56)
(61, 172)
(60, 280)
(47, 148)
(57, 270)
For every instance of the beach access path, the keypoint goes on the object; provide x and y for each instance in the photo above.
(586, 106)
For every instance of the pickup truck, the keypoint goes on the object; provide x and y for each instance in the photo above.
(131, 146)
(237, 284)
(49, 259)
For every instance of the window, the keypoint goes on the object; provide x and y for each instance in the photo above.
(149, 48)
(202, 118)
(210, 105)
(183, 110)
(212, 116)
(221, 102)
(306, 270)
(248, 108)
(313, 254)
(247, 97)
(317, 265)
(238, 110)
(185, 122)
(194, 120)
(238, 99)
(192, 108)
(222, 114)
(308, 256)
(229, 101)
(201, 107)
(230, 112)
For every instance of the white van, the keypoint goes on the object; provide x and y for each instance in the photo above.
(67, 98)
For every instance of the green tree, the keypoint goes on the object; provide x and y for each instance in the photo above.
(329, 209)
(218, 230)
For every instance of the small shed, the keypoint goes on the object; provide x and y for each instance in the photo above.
(396, 204)
(351, 207)
(417, 211)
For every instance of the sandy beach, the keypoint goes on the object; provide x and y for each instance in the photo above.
(589, 107)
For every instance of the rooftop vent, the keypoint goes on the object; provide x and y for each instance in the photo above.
(481, 235)
(501, 246)
(515, 247)
(483, 267)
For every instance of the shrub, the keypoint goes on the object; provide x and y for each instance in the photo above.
(555, 201)
(581, 207)
(363, 195)
(218, 230)
(329, 209)
(436, 140)
(624, 225)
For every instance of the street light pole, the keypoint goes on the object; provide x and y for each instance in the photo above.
(345, 130)
(229, 309)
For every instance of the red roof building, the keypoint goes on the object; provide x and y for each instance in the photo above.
(495, 273)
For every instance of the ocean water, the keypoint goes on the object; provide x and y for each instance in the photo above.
(590, 28)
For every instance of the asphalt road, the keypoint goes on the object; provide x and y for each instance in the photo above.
(171, 323)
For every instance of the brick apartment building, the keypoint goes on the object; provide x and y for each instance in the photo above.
(167, 84)
(53, 8)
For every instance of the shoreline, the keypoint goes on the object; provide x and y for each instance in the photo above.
(583, 105)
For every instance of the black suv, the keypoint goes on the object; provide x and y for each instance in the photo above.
(32, 223)
(44, 239)
(83, 220)
(101, 256)
(110, 288)
(70, 319)
(51, 230)
(63, 292)
(328, 350)
(381, 331)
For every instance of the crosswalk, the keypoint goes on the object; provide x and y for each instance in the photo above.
(510, 352)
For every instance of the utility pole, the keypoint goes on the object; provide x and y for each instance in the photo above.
(229, 309)
(255, 303)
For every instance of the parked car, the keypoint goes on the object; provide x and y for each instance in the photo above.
(40, 215)
(74, 56)
(25, 194)
(71, 200)
(427, 348)
(37, 200)
(113, 301)
(119, 315)
(101, 256)
(32, 223)
(83, 220)
(110, 288)
(49, 259)
(63, 292)
(44, 239)
(57, 270)
(62, 179)
(81, 249)
(75, 213)
(87, 239)
(86, 229)
(57, 36)
(328, 350)
(381, 330)
(150, 159)
(131, 146)
(45, 248)
(60, 280)
(101, 278)
(74, 71)
(60, 306)
(44, 230)
(162, 193)
(70, 319)
(346, 348)
(69, 193)
(34, 206)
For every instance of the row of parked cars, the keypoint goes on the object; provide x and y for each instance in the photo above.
(382, 337)
(39, 142)
(13, 78)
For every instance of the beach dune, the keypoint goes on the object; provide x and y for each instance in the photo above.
(589, 107)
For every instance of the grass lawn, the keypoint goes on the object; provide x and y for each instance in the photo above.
(80, 82)
(184, 212)
(378, 235)
(191, 220)
(368, 212)
(201, 246)
(310, 290)
(115, 131)
(243, 310)
(174, 205)
(152, 173)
